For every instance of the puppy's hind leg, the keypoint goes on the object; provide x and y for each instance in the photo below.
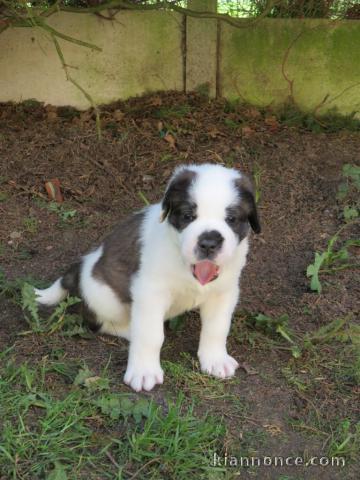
(118, 327)
(103, 309)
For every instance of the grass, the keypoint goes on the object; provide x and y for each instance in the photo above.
(257, 180)
(185, 375)
(3, 196)
(85, 430)
(348, 191)
(324, 374)
(173, 111)
(326, 377)
(331, 122)
(273, 332)
(67, 215)
(331, 260)
(31, 225)
(53, 430)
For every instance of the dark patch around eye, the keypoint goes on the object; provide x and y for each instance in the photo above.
(178, 207)
(246, 207)
(237, 219)
(181, 215)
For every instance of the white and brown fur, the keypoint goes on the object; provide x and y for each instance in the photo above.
(143, 272)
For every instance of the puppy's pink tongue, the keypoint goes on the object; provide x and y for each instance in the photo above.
(205, 271)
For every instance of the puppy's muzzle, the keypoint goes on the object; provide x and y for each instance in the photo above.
(209, 244)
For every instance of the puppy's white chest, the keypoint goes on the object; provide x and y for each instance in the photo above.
(185, 300)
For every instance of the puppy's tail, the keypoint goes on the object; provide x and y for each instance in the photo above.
(67, 284)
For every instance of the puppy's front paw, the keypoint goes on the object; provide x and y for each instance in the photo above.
(221, 365)
(143, 377)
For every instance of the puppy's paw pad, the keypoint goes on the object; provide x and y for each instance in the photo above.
(222, 366)
(143, 379)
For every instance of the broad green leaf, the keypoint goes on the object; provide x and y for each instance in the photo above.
(58, 473)
(29, 302)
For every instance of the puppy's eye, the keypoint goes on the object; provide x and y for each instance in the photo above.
(231, 219)
(188, 217)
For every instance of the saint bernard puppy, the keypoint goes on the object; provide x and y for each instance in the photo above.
(184, 253)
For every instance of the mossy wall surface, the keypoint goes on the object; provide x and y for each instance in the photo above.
(141, 52)
(316, 62)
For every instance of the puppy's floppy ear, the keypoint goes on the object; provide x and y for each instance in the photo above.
(176, 191)
(246, 193)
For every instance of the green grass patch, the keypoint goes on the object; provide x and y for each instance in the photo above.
(327, 376)
(331, 260)
(185, 375)
(52, 429)
(174, 111)
(31, 224)
(67, 215)
(348, 191)
(330, 122)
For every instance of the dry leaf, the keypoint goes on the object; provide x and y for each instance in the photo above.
(118, 115)
(52, 116)
(50, 108)
(85, 116)
(247, 131)
(171, 140)
(273, 429)
(248, 369)
(156, 101)
(88, 381)
(53, 190)
(214, 132)
(15, 235)
(253, 112)
(272, 123)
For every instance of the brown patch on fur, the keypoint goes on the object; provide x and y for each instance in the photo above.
(121, 256)
(70, 280)
(177, 201)
(90, 318)
(246, 194)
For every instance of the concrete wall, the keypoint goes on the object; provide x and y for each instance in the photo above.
(320, 58)
(141, 52)
(149, 51)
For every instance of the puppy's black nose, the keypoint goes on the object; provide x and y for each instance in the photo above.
(210, 242)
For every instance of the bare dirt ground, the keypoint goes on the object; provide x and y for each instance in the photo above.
(287, 406)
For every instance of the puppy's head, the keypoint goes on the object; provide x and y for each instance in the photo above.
(211, 208)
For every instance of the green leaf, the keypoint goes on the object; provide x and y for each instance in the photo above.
(66, 214)
(116, 406)
(283, 333)
(60, 310)
(141, 409)
(58, 473)
(350, 212)
(29, 303)
(82, 375)
(313, 271)
(296, 351)
(126, 406)
(343, 190)
(177, 323)
(110, 406)
(352, 171)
